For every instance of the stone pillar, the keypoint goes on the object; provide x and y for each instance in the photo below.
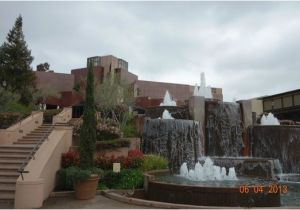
(197, 113)
(197, 108)
(246, 107)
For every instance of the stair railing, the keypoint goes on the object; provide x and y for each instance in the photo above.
(33, 151)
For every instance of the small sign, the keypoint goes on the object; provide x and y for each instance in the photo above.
(116, 167)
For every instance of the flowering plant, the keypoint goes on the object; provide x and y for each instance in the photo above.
(133, 160)
(69, 159)
(107, 130)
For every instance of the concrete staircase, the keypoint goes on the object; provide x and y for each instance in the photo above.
(12, 158)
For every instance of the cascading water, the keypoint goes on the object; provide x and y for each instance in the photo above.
(177, 140)
(280, 142)
(207, 172)
(223, 129)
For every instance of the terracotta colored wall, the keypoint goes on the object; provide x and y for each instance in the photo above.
(55, 81)
(179, 92)
(40, 181)
(17, 131)
(81, 74)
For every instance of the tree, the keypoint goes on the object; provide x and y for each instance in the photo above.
(88, 129)
(43, 67)
(15, 60)
(6, 98)
(113, 99)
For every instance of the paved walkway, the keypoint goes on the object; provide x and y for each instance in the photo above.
(99, 202)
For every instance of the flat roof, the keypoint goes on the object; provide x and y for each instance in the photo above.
(280, 94)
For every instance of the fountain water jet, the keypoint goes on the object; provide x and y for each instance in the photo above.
(269, 120)
(168, 100)
(207, 172)
(166, 115)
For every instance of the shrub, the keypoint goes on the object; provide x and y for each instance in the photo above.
(131, 178)
(14, 106)
(129, 130)
(48, 114)
(112, 144)
(154, 162)
(103, 162)
(67, 177)
(69, 159)
(7, 119)
(135, 153)
(62, 181)
(106, 130)
(126, 179)
(134, 160)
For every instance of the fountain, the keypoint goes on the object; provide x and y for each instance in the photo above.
(167, 100)
(177, 112)
(208, 171)
(269, 120)
(222, 177)
(202, 90)
(166, 115)
(224, 129)
(177, 140)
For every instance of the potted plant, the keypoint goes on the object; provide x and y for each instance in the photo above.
(85, 180)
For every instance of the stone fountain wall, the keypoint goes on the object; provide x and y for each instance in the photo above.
(223, 129)
(281, 142)
(177, 140)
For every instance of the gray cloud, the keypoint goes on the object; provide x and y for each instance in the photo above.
(247, 48)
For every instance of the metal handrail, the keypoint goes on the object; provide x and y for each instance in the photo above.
(32, 153)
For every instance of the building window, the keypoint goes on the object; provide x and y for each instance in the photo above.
(122, 64)
(95, 60)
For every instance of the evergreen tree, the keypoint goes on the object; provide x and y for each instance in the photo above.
(88, 129)
(15, 60)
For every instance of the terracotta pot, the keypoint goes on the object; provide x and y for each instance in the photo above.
(86, 189)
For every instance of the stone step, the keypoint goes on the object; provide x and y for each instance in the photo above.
(33, 137)
(10, 167)
(25, 143)
(12, 156)
(8, 180)
(7, 188)
(10, 161)
(7, 196)
(14, 152)
(26, 140)
(45, 126)
(9, 174)
(42, 131)
(14, 147)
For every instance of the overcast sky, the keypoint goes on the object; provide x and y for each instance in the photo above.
(249, 49)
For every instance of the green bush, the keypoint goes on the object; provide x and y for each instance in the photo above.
(48, 114)
(67, 177)
(129, 130)
(131, 178)
(112, 144)
(154, 162)
(7, 119)
(126, 179)
(14, 106)
(62, 181)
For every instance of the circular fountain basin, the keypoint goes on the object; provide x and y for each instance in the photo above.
(246, 192)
